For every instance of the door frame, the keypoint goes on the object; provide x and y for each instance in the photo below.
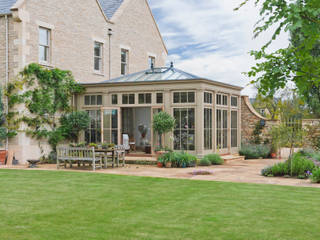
(119, 123)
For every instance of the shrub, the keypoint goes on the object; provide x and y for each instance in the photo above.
(315, 176)
(204, 162)
(178, 160)
(255, 151)
(215, 159)
(300, 167)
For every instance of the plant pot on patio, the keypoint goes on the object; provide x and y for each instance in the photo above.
(3, 155)
(273, 155)
(160, 164)
(168, 164)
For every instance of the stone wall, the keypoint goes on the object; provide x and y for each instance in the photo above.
(249, 120)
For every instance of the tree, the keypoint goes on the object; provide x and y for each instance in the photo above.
(73, 123)
(296, 63)
(163, 123)
(3, 129)
(36, 98)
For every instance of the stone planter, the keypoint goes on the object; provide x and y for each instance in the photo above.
(285, 152)
(168, 165)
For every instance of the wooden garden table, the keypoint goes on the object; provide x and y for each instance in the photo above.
(105, 156)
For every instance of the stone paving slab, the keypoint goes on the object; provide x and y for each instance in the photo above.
(243, 171)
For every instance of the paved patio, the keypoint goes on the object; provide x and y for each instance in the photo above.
(246, 171)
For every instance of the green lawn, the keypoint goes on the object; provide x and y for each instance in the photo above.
(62, 205)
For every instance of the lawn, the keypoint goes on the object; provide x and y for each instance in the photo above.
(45, 205)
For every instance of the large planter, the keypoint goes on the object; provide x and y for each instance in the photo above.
(159, 164)
(3, 155)
(168, 165)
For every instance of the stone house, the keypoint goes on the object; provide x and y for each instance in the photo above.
(96, 39)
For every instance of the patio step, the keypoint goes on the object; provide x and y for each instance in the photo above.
(150, 160)
(235, 157)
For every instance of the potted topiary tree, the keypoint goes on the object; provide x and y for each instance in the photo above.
(162, 123)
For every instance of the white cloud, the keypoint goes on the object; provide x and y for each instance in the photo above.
(209, 39)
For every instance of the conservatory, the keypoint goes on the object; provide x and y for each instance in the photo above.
(207, 112)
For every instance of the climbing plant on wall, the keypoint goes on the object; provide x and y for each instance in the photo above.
(37, 98)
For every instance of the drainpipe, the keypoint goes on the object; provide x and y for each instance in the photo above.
(7, 69)
(110, 34)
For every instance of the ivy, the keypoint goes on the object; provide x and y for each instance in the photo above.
(36, 98)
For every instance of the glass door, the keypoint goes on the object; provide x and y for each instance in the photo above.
(110, 122)
(222, 129)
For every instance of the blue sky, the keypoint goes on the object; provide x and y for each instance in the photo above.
(209, 39)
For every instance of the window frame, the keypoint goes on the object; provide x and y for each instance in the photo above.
(47, 46)
(93, 96)
(145, 98)
(207, 96)
(234, 129)
(186, 94)
(129, 97)
(100, 58)
(157, 94)
(208, 128)
(237, 101)
(220, 99)
(152, 60)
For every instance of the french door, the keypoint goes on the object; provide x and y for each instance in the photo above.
(110, 125)
(222, 129)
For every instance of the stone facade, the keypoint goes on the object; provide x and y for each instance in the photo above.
(250, 118)
(74, 27)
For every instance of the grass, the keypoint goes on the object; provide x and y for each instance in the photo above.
(38, 205)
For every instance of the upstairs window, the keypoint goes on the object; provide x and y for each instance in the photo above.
(44, 45)
(124, 61)
(183, 97)
(93, 100)
(159, 97)
(145, 98)
(234, 101)
(208, 97)
(98, 56)
(128, 99)
(152, 61)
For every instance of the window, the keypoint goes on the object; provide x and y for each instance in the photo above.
(222, 100)
(159, 97)
(93, 100)
(234, 129)
(124, 61)
(234, 101)
(114, 99)
(184, 131)
(222, 128)
(145, 98)
(183, 97)
(44, 45)
(93, 133)
(207, 128)
(98, 56)
(208, 97)
(152, 61)
(128, 99)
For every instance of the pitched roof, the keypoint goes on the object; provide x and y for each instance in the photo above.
(158, 75)
(109, 7)
(5, 6)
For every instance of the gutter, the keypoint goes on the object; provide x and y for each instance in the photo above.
(7, 69)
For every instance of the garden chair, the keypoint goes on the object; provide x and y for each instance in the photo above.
(120, 152)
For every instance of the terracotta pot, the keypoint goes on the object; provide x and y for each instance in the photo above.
(168, 165)
(273, 155)
(3, 155)
(159, 164)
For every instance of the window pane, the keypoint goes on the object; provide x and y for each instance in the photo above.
(177, 140)
(234, 101)
(148, 98)
(141, 99)
(234, 119)
(184, 97)
(219, 99)
(99, 100)
(43, 36)
(191, 97)
(191, 118)
(123, 69)
(93, 100)
(191, 140)
(159, 98)
(225, 100)
(43, 54)
(87, 100)
(131, 99)
(114, 99)
(97, 64)
(125, 99)
(123, 56)
(176, 97)
(176, 115)
(97, 49)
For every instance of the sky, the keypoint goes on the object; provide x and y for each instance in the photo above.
(209, 39)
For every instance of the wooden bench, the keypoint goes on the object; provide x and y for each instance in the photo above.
(78, 155)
